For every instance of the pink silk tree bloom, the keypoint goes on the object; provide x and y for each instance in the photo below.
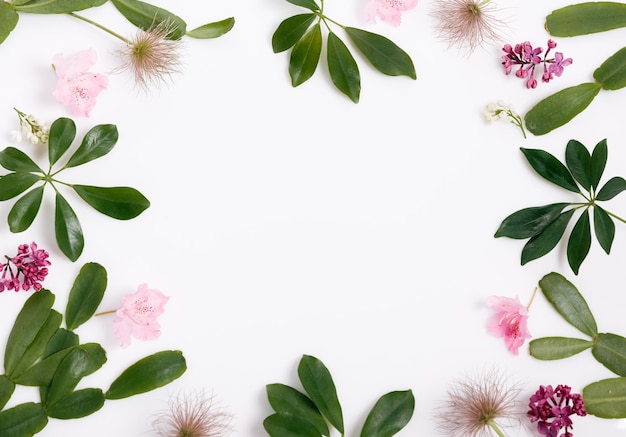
(509, 321)
(388, 10)
(77, 87)
(138, 313)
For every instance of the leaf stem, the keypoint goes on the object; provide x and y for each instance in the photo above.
(615, 216)
(532, 298)
(103, 313)
(100, 26)
(497, 430)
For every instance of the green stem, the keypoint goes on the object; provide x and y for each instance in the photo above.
(496, 429)
(100, 26)
(103, 313)
(615, 216)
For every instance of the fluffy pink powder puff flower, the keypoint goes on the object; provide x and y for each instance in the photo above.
(138, 313)
(388, 10)
(509, 321)
(77, 87)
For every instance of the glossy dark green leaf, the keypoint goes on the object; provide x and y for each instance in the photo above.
(57, 6)
(528, 222)
(77, 404)
(382, 53)
(15, 160)
(544, 242)
(14, 184)
(147, 17)
(96, 143)
(42, 372)
(290, 31)
(319, 385)
(147, 374)
(7, 387)
(28, 322)
(342, 68)
(62, 339)
(23, 420)
(560, 108)
(604, 228)
(86, 294)
(212, 30)
(606, 398)
(122, 203)
(389, 415)
(579, 242)
(569, 303)
(25, 209)
(550, 168)
(598, 162)
(610, 351)
(8, 20)
(612, 188)
(578, 160)
(309, 4)
(288, 425)
(35, 349)
(62, 134)
(70, 371)
(556, 348)
(69, 234)
(585, 18)
(612, 73)
(285, 399)
(305, 56)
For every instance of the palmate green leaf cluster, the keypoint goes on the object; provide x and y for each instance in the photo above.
(308, 415)
(580, 19)
(40, 353)
(302, 34)
(141, 14)
(604, 398)
(544, 226)
(122, 203)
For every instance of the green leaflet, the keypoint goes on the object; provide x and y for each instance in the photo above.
(57, 6)
(529, 222)
(287, 400)
(67, 229)
(343, 69)
(8, 20)
(290, 31)
(212, 30)
(612, 73)
(147, 17)
(288, 425)
(550, 168)
(96, 143)
(77, 404)
(586, 18)
(35, 349)
(86, 294)
(62, 134)
(14, 184)
(6, 390)
(23, 420)
(542, 243)
(610, 351)
(25, 210)
(305, 56)
(122, 203)
(604, 228)
(612, 188)
(556, 348)
(606, 398)
(309, 4)
(579, 242)
(15, 160)
(389, 415)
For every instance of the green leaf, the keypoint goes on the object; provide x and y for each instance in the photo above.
(305, 56)
(148, 374)
(35, 350)
(309, 4)
(8, 20)
(569, 303)
(70, 371)
(529, 222)
(86, 294)
(57, 6)
(610, 351)
(15, 160)
(290, 31)
(42, 372)
(544, 242)
(382, 53)
(558, 109)
(606, 398)
(578, 162)
(7, 387)
(96, 143)
(586, 18)
(25, 209)
(389, 415)
(319, 385)
(550, 168)
(598, 162)
(612, 73)
(212, 30)
(61, 339)
(285, 399)
(147, 17)
(288, 425)
(612, 188)
(77, 404)
(604, 228)
(579, 242)
(28, 322)
(14, 184)
(23, 420)
(556, 348)
(69, 234)
(122, 203)
(342, 68)
(62, 133)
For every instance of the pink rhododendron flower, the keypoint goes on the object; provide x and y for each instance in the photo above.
(509, 321)
(137, 315)
(388, 10)
(77, 88)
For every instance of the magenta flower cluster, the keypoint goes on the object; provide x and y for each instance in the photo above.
(25, 270)
(552, 408)
(528, 58)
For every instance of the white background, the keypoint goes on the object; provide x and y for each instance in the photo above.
(292, 221)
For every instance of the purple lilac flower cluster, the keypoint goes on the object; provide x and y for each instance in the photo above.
(528, 59)
(30, 263)
(552, 408)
